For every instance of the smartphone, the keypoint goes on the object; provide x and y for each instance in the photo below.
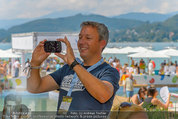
(52, 46)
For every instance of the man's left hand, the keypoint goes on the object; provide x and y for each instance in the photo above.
(69, 56)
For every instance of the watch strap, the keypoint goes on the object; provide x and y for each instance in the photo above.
(74, 63)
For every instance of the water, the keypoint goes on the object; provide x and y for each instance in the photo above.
(5, 46)
(35, 102)
(123, 58)
(155, 45)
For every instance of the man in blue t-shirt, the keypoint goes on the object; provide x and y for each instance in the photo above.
(87, 86)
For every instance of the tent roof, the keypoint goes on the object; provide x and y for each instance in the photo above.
(169, 52)
(139, 49)
(148, 54)
(124, 50)
(111, 51)
(8, 54)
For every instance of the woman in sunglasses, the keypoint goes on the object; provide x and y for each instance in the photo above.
(151, 102)
(139, 98)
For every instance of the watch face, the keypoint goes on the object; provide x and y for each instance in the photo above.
(52, 46)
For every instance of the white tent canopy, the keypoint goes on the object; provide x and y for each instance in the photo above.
(139, 49)
(8, 54)
(111, 51)
(169, 52)
(148, 54)
(125, 50)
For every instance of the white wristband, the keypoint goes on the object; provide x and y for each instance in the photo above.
(29, 68)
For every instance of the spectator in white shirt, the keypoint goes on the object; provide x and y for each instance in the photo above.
(166, 69)
(16, 65)
(172, 69)
(150, 67)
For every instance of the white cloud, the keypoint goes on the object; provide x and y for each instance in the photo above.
(35, 8)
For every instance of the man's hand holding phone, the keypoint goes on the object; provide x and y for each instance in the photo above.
(45, 48)
(69, 56)
(39, 54)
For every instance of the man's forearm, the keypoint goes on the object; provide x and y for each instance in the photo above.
(33, 81)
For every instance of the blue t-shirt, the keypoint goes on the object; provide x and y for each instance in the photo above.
(81, 98)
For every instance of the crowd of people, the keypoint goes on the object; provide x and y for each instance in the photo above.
(167, 68)
(5, 72)
(9, 69)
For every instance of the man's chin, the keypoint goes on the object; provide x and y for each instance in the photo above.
(83, 56)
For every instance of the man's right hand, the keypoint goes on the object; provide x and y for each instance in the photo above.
(39, 55)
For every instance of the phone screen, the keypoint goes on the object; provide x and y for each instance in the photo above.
(53, 46)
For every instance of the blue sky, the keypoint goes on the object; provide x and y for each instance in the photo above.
(12, 9)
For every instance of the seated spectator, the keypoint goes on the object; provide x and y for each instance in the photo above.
(152, 102)
(140, 97)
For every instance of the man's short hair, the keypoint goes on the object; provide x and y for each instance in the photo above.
(101, 28)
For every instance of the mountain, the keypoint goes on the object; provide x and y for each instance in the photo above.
(72, 24)
(67, 24)
(121, 30)
(151, 17)
(6, 23)
(150, 32)
(63, 13)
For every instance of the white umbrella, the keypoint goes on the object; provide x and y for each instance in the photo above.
(7, 54)
(139, 49)
(126, 50)
(169, 52)
(111, 51)
(148, 54)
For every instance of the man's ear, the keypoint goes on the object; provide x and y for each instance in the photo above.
(103, 43)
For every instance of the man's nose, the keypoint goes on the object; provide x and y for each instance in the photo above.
(81, 41)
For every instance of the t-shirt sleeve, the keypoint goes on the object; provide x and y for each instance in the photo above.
(111, 75)
(59, 74)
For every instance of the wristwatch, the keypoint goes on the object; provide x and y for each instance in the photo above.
(74, 63)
